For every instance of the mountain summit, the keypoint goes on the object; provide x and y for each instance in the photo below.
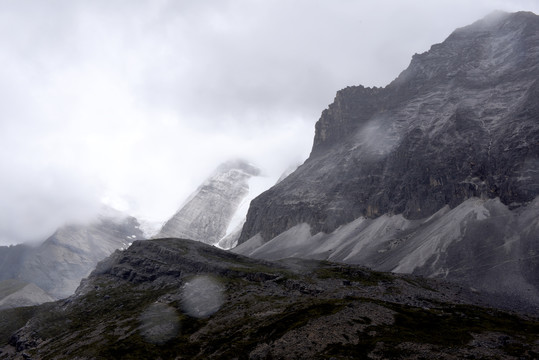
(434, 174)
(208, 212)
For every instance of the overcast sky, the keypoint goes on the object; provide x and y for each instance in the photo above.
(134, 103)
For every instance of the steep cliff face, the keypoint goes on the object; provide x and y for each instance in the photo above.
(207, 214)
(436, 174)
(460, 122)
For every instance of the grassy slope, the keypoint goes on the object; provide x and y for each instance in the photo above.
(328, 311)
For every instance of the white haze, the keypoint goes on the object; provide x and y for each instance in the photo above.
(134, 103)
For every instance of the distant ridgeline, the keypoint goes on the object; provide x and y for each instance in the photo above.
(57, 266)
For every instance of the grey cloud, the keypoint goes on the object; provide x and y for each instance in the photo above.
(137, 101)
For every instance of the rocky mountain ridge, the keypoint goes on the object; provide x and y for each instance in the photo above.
(436, 174)
(70, 254)
(173, 298)
(460, 122)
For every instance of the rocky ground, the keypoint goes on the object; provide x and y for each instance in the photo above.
(180, 299)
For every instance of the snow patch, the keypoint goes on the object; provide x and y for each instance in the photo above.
(256, 186)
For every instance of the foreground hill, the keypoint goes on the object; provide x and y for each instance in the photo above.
(174, 299)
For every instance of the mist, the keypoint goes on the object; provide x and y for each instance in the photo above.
(133, 103)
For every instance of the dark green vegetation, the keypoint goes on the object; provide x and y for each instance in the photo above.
(292, 309)
(445, 328)
(349, 274)
(13, 319)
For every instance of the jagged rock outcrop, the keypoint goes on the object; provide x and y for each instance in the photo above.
(173, 298)
(460, 126)
(70, 254)
(208, 212)
(460, 122)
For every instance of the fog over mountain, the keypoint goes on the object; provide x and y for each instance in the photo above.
(97, 98)
(57, 265)
(209, 214)
(410, 230)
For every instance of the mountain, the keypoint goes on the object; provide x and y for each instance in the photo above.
(173, 298)
(435, 174)
(16, 293)
(209, 211)
(70, 254)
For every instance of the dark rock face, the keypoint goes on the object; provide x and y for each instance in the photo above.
(460, 122)
(173, 298)
(206, 215)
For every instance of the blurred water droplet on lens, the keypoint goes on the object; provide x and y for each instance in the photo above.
(159, 323)
(202, 296)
